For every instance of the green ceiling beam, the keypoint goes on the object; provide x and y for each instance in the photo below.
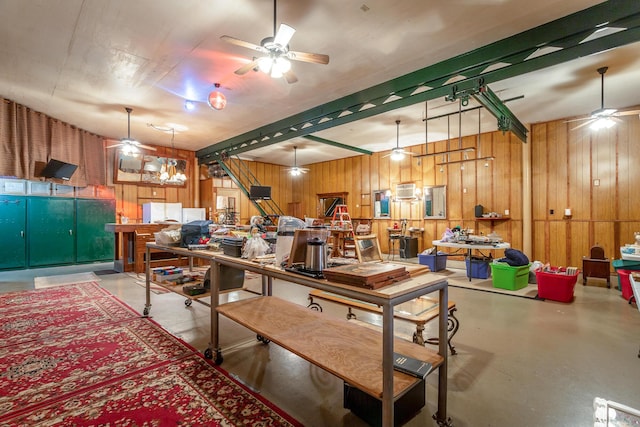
(429, 83)
(338, 144)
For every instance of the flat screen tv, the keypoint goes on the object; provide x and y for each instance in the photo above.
(58, 169)
(259, 192)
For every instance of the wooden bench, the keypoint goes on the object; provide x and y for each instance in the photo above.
(418, 311)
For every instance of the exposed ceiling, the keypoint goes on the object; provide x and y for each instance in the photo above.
(84, 61)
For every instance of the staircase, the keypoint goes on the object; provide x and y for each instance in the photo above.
(242, 176)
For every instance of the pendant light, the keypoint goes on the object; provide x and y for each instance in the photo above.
(216, 99)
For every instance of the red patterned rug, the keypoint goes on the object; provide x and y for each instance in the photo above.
(61, 367)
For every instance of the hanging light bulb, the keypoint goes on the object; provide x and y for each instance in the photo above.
(217, 100)
(264, 64)
(283, 64)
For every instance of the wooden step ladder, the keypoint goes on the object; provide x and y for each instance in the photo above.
(341, 219)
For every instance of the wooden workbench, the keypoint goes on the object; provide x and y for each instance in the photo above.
(322, 340)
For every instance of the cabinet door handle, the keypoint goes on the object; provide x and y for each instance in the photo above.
(70, 232)
(22, 233)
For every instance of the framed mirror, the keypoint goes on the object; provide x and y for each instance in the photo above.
(382, 204)
(329, 201)
(146, 169)
(435, 201)
(367, 248)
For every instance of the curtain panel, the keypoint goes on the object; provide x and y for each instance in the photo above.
(29, 139)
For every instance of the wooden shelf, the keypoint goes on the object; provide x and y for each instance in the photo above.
(497, 218)
(323, 341)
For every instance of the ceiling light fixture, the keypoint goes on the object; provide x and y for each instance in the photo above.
(397, 153)
(296, 170)
(216, 99)
(189, 105)
(168, 171)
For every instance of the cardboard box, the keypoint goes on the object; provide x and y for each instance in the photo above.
(556, 286)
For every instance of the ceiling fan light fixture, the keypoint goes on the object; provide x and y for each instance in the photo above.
(264, 64)
(602, 123)
(283, 64)
(216, 99)
(295, 172)
(189, 105)
(397, 154)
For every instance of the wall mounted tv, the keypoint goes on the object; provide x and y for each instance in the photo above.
(58, 169)
(259, 192)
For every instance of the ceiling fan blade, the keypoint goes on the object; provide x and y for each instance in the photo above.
(578, 120)
(243, 43)
(315, 58)
(583, 124)
(146, 147)
(290, 77)
(247, 67)
(114, 145)
(285, 32)
(627, 113)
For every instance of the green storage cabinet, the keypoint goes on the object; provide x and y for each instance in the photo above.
(93, 243)
(13, 228)
(51, 231)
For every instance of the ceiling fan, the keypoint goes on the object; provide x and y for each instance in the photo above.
(398, 153)
(603, 117)
(130, 145)
(277, 57)
(295, 170)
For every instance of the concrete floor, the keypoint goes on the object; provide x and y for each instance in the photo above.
(520, 362)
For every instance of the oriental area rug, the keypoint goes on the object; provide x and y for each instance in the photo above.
(75, 355)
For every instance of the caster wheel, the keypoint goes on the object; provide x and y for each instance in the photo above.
(208, 354)
(218, 360)
(262, 339)
(145, 312)
(188, 302)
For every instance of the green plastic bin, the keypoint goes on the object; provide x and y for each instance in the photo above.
(508, 277)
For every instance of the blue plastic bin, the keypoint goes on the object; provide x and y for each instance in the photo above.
(478, 268)
(435, 262)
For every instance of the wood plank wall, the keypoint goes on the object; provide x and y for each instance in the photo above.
(497, 187)
(566, 163)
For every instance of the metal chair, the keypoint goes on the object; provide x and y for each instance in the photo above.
(596, 265)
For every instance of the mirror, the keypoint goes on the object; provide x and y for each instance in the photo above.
(329, 201)
(145, 169)
(435, 201)
(382, 204)
(367, 248)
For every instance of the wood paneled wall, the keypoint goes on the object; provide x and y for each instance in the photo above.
(497, 187)
(564, 166)
(567, 164)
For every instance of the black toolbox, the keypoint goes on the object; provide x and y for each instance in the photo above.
(232, 246)
(193, 231)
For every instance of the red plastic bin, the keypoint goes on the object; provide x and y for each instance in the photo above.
(556, 285)
(625, 284)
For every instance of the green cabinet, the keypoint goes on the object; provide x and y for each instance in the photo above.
(93, 243)
(13, 228)
(51, 231)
